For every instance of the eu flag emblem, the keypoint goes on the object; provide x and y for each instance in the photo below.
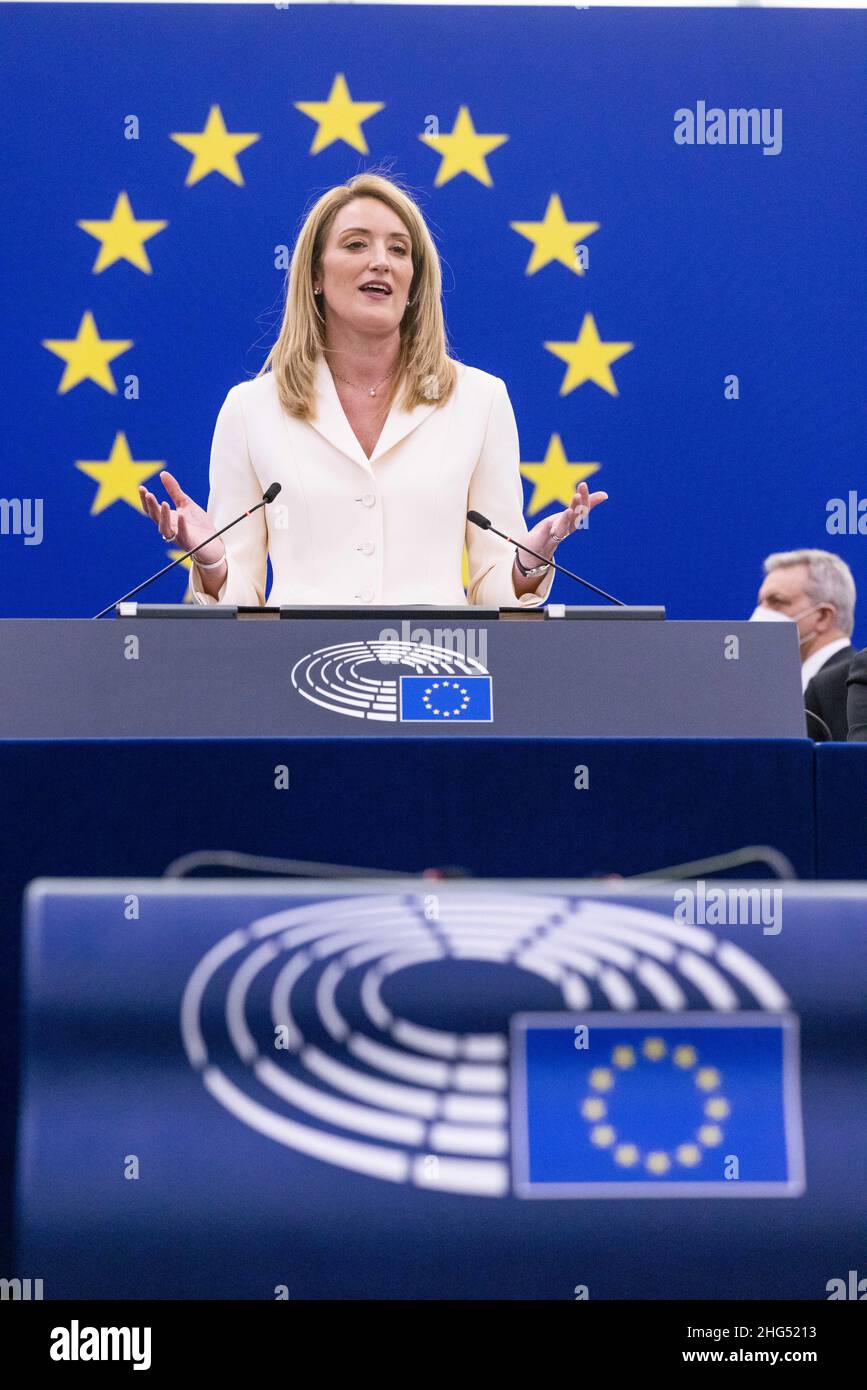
(668, 1105)
(446, 699)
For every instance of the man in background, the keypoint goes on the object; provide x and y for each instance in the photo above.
(858, 698)
(815, 589)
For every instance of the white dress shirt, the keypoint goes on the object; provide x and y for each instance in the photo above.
(390, 529)
(818, 659)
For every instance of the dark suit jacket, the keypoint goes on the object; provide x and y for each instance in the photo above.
(857, 698)
(826, 696)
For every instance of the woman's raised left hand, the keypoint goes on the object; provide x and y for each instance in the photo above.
(547, 534)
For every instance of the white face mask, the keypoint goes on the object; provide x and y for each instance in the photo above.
(770, 615)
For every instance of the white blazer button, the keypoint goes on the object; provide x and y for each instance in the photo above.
(366, 596)
(367, 548)
(369, 499)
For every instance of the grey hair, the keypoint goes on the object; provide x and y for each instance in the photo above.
(829, 581)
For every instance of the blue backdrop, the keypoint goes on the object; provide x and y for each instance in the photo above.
(707, 260)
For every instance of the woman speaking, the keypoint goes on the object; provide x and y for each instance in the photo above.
(379, 440)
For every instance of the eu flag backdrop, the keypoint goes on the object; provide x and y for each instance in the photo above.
(678, 321)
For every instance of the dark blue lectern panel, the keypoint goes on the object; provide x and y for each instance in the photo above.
(232, 1092)
(498, 807)
(841, 810)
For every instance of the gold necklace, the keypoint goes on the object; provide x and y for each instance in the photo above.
(371, 390)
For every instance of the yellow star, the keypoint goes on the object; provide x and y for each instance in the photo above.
(554, 239)
(463, 150)
(87, 356)
(339, 118)
(589, 358)
(555, 479)
(214, 149)
(122, 237)
(118, 476)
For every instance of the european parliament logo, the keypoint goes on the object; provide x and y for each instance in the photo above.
(601, 1101)
(457, 699)
(358, 679)
(661, 1105)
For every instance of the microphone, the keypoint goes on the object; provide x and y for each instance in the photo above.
(266, 498)
(812, 715)
(482, 521)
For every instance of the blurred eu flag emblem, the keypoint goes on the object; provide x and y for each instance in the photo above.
(671, 1105)
(446, 699)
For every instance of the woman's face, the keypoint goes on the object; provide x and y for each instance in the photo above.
(367, 243)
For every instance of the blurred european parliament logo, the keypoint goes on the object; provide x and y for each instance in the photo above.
(656, 1105)
(447, 700)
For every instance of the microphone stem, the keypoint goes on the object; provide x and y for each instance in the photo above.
(560, 568)
(179, 561)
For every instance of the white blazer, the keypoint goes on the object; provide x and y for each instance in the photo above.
(390, 529)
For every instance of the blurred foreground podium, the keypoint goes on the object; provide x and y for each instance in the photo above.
(377, 1091)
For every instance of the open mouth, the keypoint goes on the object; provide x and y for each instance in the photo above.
(376, 291)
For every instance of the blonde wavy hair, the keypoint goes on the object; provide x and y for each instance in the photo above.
(424, 366)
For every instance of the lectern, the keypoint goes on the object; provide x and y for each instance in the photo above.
(396, 673)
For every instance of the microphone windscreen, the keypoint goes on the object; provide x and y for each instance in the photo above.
(272, 492)
(478, 520)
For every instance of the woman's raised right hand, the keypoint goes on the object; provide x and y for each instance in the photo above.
(186, 523)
